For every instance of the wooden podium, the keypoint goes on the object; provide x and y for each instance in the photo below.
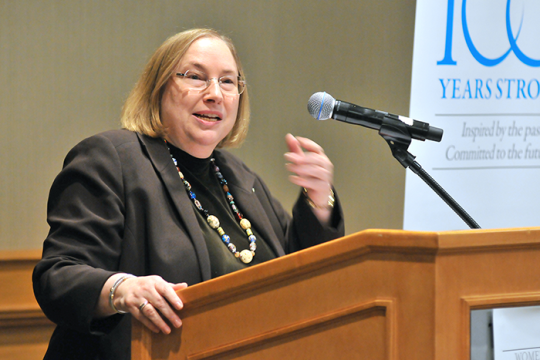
(377, 294)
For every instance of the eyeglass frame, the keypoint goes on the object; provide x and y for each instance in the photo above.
(209, 82)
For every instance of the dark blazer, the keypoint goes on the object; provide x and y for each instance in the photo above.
(118, 205)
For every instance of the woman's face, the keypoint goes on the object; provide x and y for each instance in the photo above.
(196, 121)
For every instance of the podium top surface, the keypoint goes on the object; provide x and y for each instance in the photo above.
(364, 243)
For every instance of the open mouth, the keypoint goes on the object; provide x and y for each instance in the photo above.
(208, 117)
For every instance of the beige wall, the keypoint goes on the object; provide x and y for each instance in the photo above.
(66, 67)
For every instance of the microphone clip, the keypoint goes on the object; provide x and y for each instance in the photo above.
(399, 139)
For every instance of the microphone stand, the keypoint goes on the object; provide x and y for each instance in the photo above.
(399, 139)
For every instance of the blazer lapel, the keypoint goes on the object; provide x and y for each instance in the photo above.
(241, 183)
(161, 159)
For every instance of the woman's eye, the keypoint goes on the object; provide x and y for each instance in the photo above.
(227, 80)
(194, 77)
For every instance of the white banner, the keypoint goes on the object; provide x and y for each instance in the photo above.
(476, 74)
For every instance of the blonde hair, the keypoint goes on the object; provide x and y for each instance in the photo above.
(141, 111)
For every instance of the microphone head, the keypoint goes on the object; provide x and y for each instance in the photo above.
(321, 105)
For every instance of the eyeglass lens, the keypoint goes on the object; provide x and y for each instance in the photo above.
(199, 80)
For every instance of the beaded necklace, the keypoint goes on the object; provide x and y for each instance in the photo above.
(246, 256)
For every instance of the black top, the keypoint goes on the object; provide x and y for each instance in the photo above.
(200, 173)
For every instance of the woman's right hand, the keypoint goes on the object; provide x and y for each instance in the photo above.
(149, 299)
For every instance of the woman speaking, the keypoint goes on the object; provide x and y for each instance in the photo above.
(139, 213)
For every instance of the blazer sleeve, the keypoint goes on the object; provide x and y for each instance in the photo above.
(86, 217)
(307, 230)
(303, 230)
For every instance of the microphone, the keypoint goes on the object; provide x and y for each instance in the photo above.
(323, 106)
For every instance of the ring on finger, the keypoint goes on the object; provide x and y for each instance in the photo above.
(143, 304)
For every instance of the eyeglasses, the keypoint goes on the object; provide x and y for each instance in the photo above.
(197, 80)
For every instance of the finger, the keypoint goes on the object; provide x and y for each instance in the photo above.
(310, 145)
(311, 164)
(311, 172)
(162, 301)
(311, 184)
(179, 286)
(293, 144)
(310, 159)
(146, 321)
(172, 297)
(150, 313)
